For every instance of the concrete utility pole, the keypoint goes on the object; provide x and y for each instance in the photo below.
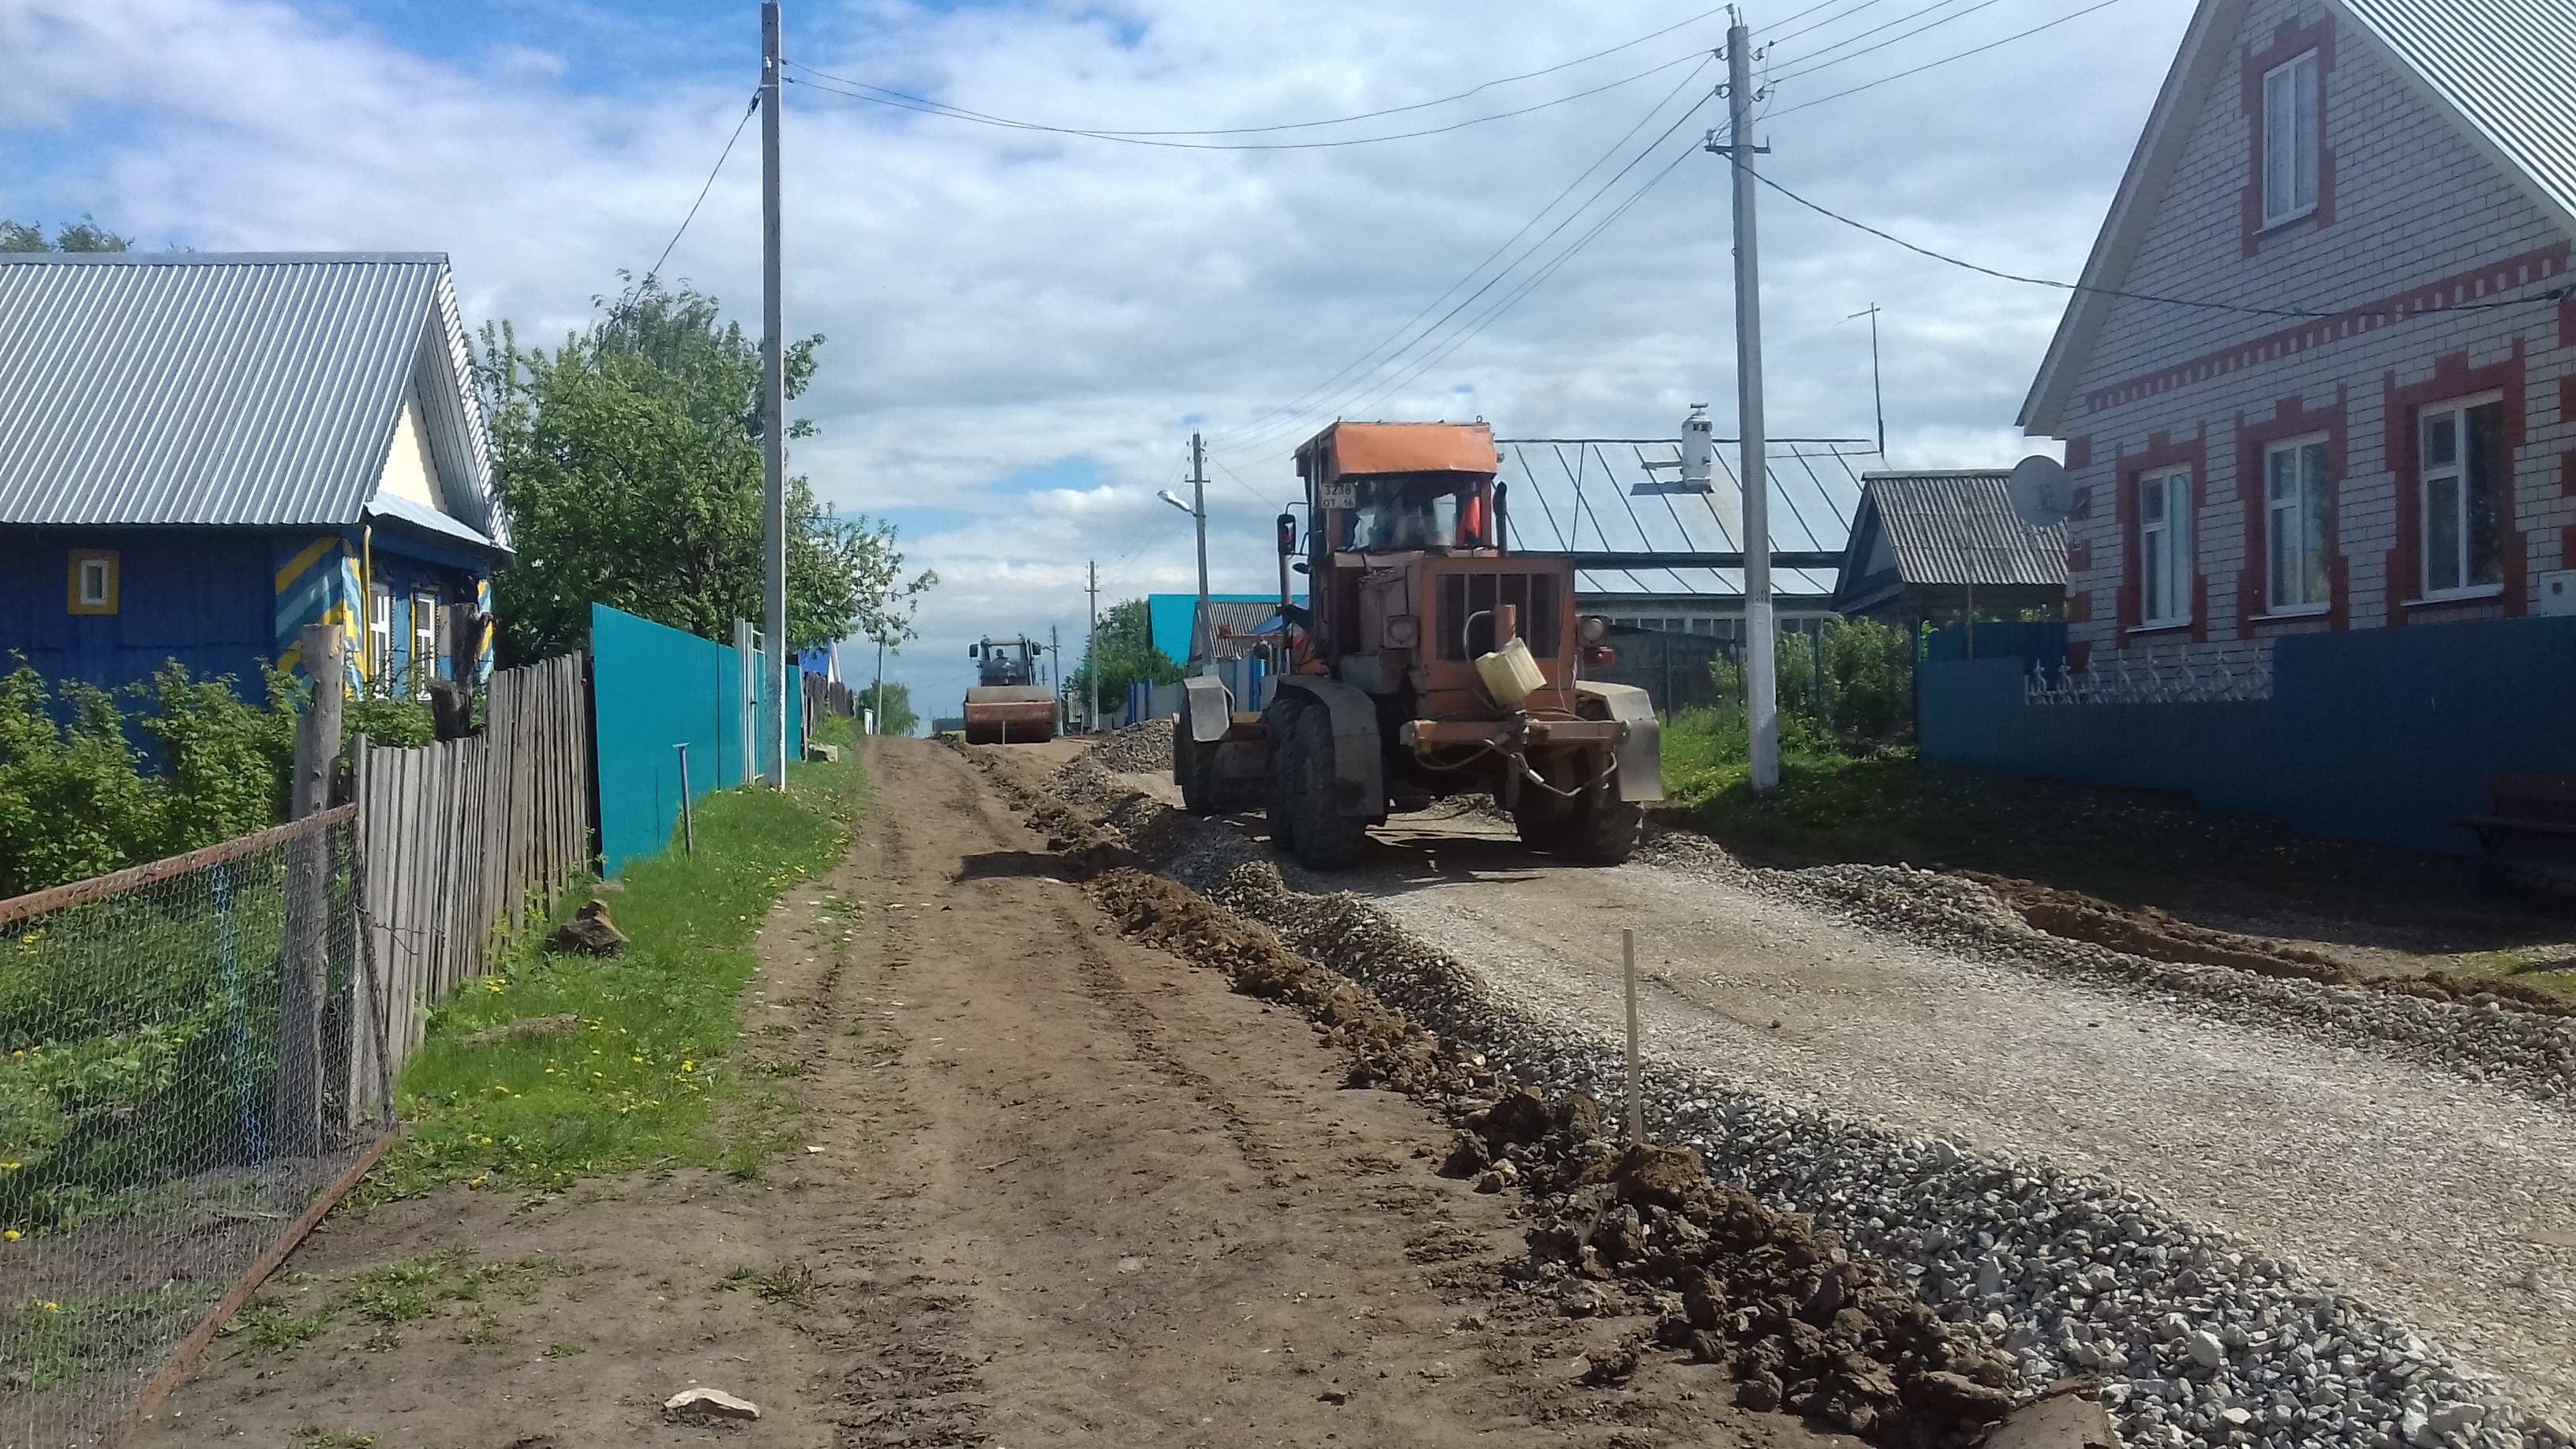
(773, 409)
(880, 722)
(1091, 653)
(1201, 646)
(1761, 686)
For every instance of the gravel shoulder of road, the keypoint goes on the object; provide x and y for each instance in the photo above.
(2198, 1339)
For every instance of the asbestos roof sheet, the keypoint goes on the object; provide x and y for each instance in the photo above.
(1957, 528)
(2503, 65)
(205, 388)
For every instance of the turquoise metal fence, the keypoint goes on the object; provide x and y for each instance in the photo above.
(654, 689)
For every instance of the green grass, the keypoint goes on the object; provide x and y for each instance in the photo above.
(45, 1341)
(388, 1297)
(656, 1076)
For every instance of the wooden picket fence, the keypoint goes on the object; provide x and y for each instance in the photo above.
(462, 842)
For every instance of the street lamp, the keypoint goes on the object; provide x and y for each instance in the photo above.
(1196, 508)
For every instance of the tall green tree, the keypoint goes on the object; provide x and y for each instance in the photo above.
(899, 717)
(86, 235)
(628, 464)
(1127, 656)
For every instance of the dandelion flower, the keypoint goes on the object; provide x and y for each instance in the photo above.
(11, 1235)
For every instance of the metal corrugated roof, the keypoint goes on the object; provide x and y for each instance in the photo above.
(206, 388)
(1958, 528)
(2503, 65)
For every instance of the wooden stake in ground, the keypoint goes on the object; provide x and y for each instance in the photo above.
(688, 821)
(1636, 1106)
(306, 978)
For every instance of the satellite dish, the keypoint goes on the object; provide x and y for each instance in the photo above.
(2040, 491)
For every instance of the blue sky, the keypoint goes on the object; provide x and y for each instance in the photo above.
(1025, 327)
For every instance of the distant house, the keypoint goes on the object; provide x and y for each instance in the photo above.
(1929, 547)
(202, 453)
(2325, 380)
(2318, 399)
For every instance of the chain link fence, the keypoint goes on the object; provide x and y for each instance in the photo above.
(179, 1082)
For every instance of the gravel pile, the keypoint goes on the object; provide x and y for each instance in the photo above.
(1139, 749)
(2522, 1051)
(2195, 1339)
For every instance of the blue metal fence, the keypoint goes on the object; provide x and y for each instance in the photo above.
(654, 689)
(2379, 734)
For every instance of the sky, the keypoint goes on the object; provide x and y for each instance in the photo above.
(1024, 327)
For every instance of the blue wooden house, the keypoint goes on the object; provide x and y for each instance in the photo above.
(201, 453)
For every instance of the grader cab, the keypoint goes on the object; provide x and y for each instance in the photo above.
(1431, 661)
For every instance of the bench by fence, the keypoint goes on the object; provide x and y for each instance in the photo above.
(2533, 830)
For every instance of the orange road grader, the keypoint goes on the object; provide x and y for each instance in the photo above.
(1007, 706)
(1430, 661)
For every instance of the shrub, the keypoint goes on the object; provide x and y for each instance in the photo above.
(1862, 700)
(72, 802)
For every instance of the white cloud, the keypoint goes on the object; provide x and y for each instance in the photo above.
(999, 301)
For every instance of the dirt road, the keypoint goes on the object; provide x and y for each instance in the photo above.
(1060, 1190)
(2432, 1196)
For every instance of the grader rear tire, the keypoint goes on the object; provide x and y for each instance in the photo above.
(1326, 838)
(1280, 775)
(1600, 831)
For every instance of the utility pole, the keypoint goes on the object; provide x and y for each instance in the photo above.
(1761, 686)
(1201, 646)
(773, 409)
(880, 729)
(1091, 654)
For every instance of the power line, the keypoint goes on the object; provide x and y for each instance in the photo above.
(1495, 312)
(1773, 40)
(1945, 60)
(710, 185)
(2549, 297)
(1471, 91)
(1298, 406)
(1891, 40)
(935, 108)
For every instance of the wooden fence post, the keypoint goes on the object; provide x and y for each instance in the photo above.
(305, 975)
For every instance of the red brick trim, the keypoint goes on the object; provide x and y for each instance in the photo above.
(2160, 452)
(2567, 474)
(2567, 323)
(2079, 451)
(2079, 610)
(2080, 502)
(2478, 284)
(2567, 547)
(2566, 387)
(2452, 377)
(2291, 418)
(2288, 44)
(2079, 559)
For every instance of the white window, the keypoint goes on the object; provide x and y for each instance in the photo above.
(2290, 150)
(380, 638)
(2464, 496)
(424, 642)
(2298, 513)
(2164, 546)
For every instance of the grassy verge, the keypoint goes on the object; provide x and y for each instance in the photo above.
(634, 1060)
(2134, 848)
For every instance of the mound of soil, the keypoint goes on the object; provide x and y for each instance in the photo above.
(1641, 1228)
(2158, 936)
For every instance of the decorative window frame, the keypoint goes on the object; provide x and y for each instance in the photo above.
(2181, 541)
(108, 563)
(2459, 406)
(2161, 455)
(2292, 420)
(423, 609)
(2452, 379)
(380, 638)
(2274, 508)
(2289, 43)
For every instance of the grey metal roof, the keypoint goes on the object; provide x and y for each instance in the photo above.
(1576, 497)
(224, 388)
(1956, 528)
(2504, 65)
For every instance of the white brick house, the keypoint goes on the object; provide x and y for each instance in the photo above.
(2378, 429)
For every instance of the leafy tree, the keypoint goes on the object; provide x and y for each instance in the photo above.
(1864, 698)
(628, 462)
(1127, 656)
(85, 236)
(899, 718)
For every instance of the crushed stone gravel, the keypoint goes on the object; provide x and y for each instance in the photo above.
(2196, 1338)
